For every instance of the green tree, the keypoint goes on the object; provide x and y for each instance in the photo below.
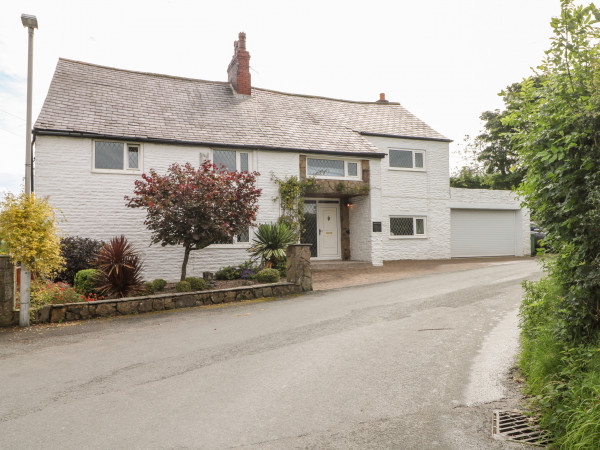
(494, 162)
(469, 177)
(29, 232)
(555, 118)
(499, 160)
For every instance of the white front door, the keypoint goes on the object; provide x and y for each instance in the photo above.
(329, 236)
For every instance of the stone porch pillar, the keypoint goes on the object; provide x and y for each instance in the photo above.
(298, 266)
(7, 286)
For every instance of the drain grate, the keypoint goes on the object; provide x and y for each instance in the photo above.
(514, 426)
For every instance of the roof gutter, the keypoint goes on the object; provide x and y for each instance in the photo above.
(397, 136)
(79, 134)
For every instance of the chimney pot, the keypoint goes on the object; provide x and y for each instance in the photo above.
(238, 72)
(382, 98)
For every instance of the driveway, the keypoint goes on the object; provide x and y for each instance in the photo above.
(342, 274)
(417, 363)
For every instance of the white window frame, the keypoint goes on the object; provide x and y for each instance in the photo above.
(413, 236)
(413, 151)
(358, 175)
(237, 157)
(236, 244)
(126, 170)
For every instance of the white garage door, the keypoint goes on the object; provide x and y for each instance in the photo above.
(483, 232)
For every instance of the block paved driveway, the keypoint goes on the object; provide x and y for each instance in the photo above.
(361, 274)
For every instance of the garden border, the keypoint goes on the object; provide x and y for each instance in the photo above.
(160, 302)
(299, 278)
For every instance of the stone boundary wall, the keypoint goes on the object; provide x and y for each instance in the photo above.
(299, 278)
(8, 317)
(161, 302)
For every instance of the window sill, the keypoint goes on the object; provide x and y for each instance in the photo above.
(406, 169)
(408, 237)
(240, 245)
(320, 177)
(119, 172)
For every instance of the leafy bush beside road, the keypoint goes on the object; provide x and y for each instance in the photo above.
(555, 117)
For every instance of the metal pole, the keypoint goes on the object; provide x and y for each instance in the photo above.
(28, 164)
(25, 272)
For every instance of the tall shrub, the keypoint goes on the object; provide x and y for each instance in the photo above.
(29, 232)
(556, 119)
(79, 254)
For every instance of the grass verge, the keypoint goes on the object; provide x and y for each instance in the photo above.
(562, 377)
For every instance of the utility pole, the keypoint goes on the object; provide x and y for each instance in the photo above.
(30, 22)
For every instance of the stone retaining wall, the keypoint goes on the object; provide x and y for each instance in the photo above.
(8, 317)
(299, 280)
(161, 302)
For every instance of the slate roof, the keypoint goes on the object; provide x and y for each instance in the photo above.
(87, 99)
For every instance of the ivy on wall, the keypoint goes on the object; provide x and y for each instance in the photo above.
(291, 200)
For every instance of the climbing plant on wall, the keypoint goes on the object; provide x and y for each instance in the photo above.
(291, 201)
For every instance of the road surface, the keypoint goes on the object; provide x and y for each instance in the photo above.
(416, 363)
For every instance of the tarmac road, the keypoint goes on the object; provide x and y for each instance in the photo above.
(416, 363)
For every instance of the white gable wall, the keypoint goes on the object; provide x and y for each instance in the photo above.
(412, 193)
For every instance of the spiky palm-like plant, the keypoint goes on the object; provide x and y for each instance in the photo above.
(120, 268)
(270, 242)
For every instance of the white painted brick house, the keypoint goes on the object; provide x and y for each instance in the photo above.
(383, 174)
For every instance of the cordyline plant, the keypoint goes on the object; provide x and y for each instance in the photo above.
(119, 267)
(196, 207)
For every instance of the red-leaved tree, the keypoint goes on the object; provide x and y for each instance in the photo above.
(196, 207)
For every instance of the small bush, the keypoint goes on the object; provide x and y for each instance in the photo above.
(197, 284)
(282, 267)
(149, 287)
(86, 281)
(271, 241)
(79, 254)
(245, 271)
(268, 276)
(183, 286)
(44, 292)
(228, 273)
(159, 284)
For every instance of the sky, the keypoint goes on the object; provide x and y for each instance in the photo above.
(445, 61)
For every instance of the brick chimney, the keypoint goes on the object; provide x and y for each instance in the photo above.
(238, 72)
(382, 98)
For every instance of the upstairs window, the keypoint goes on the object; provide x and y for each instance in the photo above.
(116, 156)
(231, 160)
(407, 159)
(331, 168)
(407, 226)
